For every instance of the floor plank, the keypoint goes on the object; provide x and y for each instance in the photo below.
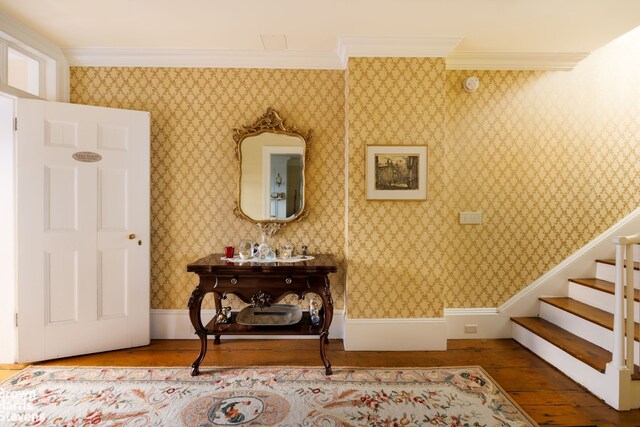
(547, 395)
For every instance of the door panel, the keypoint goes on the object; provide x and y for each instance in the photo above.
(61, 285)
(112, 209)
(113, 137)
(61, 134)
(61, 198)
(83, 284)
(112, 286)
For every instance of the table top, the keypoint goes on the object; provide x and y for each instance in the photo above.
(321, 263)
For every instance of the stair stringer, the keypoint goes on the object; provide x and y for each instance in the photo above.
(581, 263)
(492, 322)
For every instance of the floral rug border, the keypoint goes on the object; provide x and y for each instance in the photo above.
(345, 375)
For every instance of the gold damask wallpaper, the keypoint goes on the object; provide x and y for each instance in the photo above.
(396, 247)
(549, 158)
(194, 173)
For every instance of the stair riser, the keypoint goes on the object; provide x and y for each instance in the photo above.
(608, 272)
(591, 332)
(602, 300)
(578, 371)
(578, 326)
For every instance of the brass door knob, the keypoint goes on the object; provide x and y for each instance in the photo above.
(132, 236)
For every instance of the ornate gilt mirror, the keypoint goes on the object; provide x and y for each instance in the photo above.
(271, 159)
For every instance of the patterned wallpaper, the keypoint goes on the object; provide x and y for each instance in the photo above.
(396, 247)
(549, 158)
(193, 169)
(552, 159)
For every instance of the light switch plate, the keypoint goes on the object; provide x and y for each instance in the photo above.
(470, 217)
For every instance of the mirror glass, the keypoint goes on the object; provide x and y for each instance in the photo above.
(272, 176)
(271, 158)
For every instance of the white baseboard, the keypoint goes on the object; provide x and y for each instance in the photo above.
(175, 325)
(487, 322)
(395, 334)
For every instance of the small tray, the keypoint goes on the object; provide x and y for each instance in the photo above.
(275, 315)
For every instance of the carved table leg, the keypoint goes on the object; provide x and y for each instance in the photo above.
(216, 340)
(203, 351)
(323, 353)
(195, 304)
(327, 308)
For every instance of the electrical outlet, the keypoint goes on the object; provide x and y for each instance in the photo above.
(470, 217)
(470, 329)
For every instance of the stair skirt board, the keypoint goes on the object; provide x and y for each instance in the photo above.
(596, 298)
(578, 371)
(608, 272)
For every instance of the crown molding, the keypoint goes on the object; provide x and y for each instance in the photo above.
(202, 58)
(227, 58)
(514, 61)
(394, 47)
(347, 47)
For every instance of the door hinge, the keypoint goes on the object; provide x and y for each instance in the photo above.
(15, 124)
(16, 320)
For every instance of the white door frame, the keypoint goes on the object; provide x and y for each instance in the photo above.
(7, 231)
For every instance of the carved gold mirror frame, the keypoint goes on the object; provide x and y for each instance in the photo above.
(270, 125)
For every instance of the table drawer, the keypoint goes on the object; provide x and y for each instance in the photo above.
(246, 281)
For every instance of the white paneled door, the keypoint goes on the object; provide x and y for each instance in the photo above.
(82, 229)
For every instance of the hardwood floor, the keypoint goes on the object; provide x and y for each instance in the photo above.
(547, 395)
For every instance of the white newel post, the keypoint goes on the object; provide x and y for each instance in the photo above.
(621, 367)
(618, 316)
(630, 308)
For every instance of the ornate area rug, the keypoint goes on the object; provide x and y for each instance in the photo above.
(79, 396)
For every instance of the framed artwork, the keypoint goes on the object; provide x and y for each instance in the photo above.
(396, 172)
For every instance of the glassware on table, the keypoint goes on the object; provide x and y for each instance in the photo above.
(245, 249)
(228, 251)
(286, 250)
(264, 250)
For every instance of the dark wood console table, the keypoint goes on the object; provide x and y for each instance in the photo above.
(261, 284)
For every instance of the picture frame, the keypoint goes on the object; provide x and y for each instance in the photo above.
(396, 172)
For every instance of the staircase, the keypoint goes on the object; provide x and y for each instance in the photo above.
(575, 334)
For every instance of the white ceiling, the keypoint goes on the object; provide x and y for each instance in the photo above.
(498, 26)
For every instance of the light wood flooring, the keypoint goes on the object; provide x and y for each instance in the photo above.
(547, 395)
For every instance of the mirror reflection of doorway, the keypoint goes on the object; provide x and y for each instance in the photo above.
(282, 179)
(294, 184)
(285, 185)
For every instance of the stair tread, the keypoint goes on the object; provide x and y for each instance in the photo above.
(602, 285)
(636, 265)
(587, 312)
(583, 350)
